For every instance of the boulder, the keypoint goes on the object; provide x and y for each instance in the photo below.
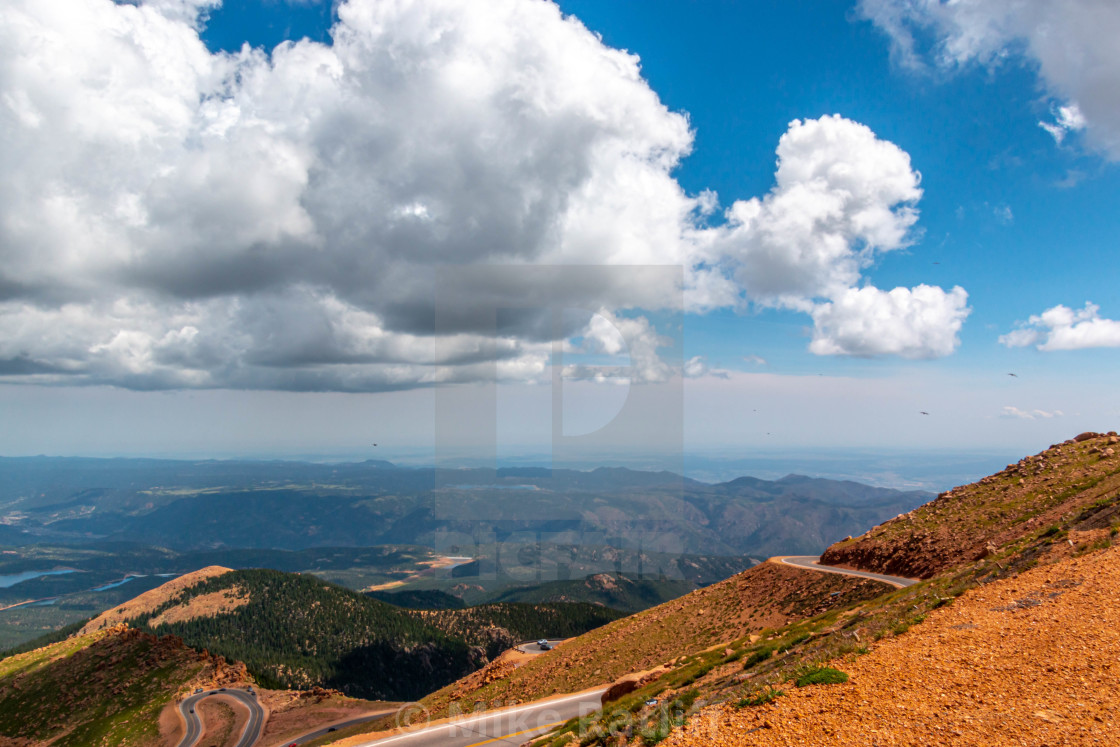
(1085, 436)
(629, 683)
(988, 549)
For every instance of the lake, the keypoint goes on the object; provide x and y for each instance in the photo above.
(15, 578)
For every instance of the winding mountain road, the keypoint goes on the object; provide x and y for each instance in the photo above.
(812, 563)
(311, 736)
(532, 647)
(253, 726)
(510, 726)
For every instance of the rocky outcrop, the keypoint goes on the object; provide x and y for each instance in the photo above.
(629, 683)
(916, 556)
(493, 640)
(972, 522)
(496, 670)
(601, 582)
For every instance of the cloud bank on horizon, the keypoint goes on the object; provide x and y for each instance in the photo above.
(176, 218)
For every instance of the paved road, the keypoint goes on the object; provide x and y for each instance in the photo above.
(812, 562)
(511, 726)
(532, 648)
(336, 727)
(253, 726)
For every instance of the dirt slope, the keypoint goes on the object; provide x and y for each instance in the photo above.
(105, 688)
(292, 713)
(1030, 660)
(969, 522)
(768, 595)
(150, 600)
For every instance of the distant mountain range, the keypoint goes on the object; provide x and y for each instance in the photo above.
(295, 505)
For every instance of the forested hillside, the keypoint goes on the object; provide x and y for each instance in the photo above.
(497, 627)
(615, 590)
(297, 631)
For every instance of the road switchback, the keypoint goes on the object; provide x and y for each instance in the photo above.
(812, 563)
(253, 727)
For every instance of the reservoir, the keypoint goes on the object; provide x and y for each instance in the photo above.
(15, 578)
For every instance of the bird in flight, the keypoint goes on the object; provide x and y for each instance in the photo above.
(923, 412)
(1015, 375)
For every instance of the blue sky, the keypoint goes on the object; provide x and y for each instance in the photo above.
(1022, 217)
(742, 72)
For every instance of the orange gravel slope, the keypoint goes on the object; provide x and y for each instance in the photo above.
(1031, 660)
(768, 595)
(149, 601)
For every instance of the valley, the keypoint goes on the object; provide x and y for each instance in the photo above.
(111, 529)
(741, 683)
(668, 662)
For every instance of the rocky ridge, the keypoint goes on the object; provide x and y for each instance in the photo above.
(149, 601)
(970, 522)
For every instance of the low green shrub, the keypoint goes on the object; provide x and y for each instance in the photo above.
(821, 676)
(685, 700)
(734, 656)
(758, 657)
(655, 732)
(759, 697)
(703, 670)
(793, 642)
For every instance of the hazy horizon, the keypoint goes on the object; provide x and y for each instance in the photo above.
(570, 228)
(933, 470)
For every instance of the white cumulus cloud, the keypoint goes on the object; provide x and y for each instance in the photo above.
(172, 217)
(1063, 328)
(841, 196)
(1072, 43)
(632, 341)
(293, 207)
(695, 367)
(922, 322)
(1067, 119)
